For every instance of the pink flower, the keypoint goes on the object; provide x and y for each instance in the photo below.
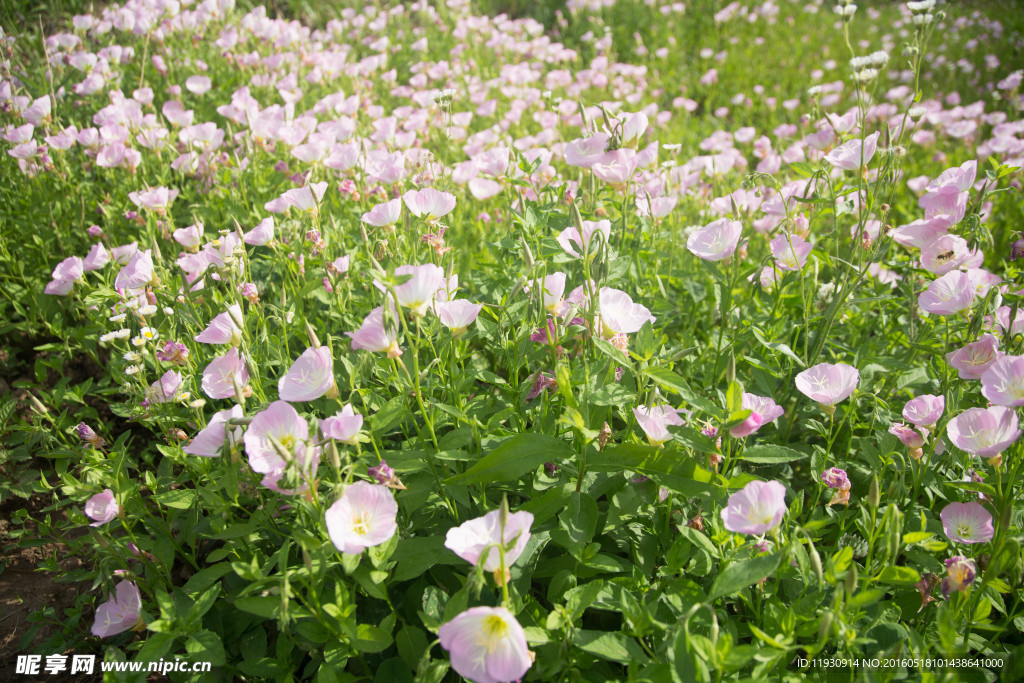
(715, 241)
(418, 293)
(985, 432)
(189, 237)
(102, 508)
(585, 152)
(156, 198)
(616, 167)
(457, 315)
(756, 508)
(767, 408)
(850, 156)
(908, 435)
(71, 268)
(97, 257)
(223, 329)
(960, 573)
(552, 289)
(1003, 381)
(383, 215)
(222, 373)
(633, 127)
(198, 85)
(119, 614)
(655, 422)
(137, 273)
(166, 388)
(762, 411)
(967, 523)
(262, 234)
(487, 645)
(956, 179)
(372, 335)
(211, 438)
(790, 251)
(925, 410)
(570, 236)
(306, 198)
(828, 383)
(480, 537)
(428, 203)
(619, 315)
(836, 478)
(944, 253)
(364, 516)
(972, 360)
(310, 376)
(921, 232)
(277, 422)
(344, 426)
(949, 294)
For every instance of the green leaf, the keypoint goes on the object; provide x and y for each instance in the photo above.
(206, 577)
(670, 380)
(180, 499)
(513, 458)
(371, 639)
(206, 646)
(770, 453)
(739, 575)
(976, 486)
(801, 168)
(778, 347)
(734, 398)
(614, 647)
(668, 467)
(416, 555)
(899, 576)
(266, 607)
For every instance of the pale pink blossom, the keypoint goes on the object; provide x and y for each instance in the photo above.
(277, 422)
(967, 523)
(570, 239)
(306, 198)
(828, 383)
(344, 426)
(944, 254)
(971, 361)
(262, 234)
(310, 376)
(138, 272)
(756, 508)
(428, 203)
(487, 645)
(166, 388)
(924, 410)
(212, 438)
(224, 328)
(616, 167)
(418, 293)
(715, 241)
(457, 315)
(949, 294)
(585, 152)
(481, 537)
(102, 508)
(1003, 382)
(364, 516)
(985, 432)
(619, 314)
(223, 372)
(120, 613)
(656, 420)
(851, 155)
(385, 214)
(790, 251)
(373, 336)
(156, 199)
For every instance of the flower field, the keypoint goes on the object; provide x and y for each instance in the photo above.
(598, 341)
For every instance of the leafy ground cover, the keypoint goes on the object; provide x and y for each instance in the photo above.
(641, 342)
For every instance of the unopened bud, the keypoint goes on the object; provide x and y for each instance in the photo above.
(873, 493)
(851, 579)
(314, 341)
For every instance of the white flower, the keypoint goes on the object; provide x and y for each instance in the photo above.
(133, 369)
(132, 357)
(117, 318)
(148, 309)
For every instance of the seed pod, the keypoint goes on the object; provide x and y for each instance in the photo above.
(873, 493)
